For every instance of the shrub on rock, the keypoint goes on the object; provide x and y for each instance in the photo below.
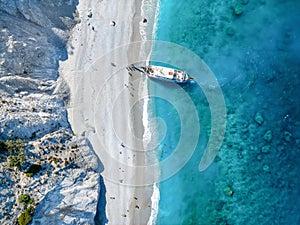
(25, 199)
(14, 146)
(26, 216)
(17, 160)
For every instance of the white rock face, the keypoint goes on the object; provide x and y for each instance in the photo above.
(28, 115)
(33, 36)
(74, 201)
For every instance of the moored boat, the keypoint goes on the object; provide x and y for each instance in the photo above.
(165, 73)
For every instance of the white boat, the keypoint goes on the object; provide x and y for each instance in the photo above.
(164, 73)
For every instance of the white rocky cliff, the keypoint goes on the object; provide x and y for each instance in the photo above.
(65, 188)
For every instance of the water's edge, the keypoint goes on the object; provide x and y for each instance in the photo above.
(149, 9)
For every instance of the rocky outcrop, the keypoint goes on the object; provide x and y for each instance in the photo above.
(32, 108)
(72, 202)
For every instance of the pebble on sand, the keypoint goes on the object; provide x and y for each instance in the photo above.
(113, 23)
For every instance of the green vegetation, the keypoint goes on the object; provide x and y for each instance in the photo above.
(33, 169)
(26, 216)
(14, 146)
(25, 199)
(228, 191)
(16, 160)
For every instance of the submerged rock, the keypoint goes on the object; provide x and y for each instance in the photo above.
(228, 191)
(244, 2)
(259, 119)
(268, 136)
(259, 157)
(287, 136)
(266, 168)
(230, 31)
(265, 149)
(237, 10)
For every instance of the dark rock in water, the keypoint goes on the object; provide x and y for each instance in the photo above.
(287, 136)
(237, 10)
(262, 2)
(240, 155)
(220, 205)
(228, 191)
(259, 119)
(244, 2)
(217, 158)
(230, 31)
(266, 168)
(268, 136)
(265, 149)
(197, 11)
(259, 157)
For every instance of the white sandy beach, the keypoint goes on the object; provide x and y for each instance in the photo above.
(103, 96)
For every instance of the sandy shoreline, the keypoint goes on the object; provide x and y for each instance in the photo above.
(103, 102)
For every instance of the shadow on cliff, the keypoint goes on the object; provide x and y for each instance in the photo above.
(101, 218)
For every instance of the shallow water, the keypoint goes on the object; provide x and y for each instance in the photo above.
(255, 58)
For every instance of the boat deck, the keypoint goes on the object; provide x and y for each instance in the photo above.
(167, 73)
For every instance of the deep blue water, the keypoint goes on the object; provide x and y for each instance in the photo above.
(255, 57)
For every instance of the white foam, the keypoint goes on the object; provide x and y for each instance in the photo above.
(148, 9)
(154, 207)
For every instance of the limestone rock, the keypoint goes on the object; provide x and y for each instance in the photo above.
(74, 201)
(33, 39)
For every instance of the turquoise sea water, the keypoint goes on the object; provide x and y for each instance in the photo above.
(255, 57)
